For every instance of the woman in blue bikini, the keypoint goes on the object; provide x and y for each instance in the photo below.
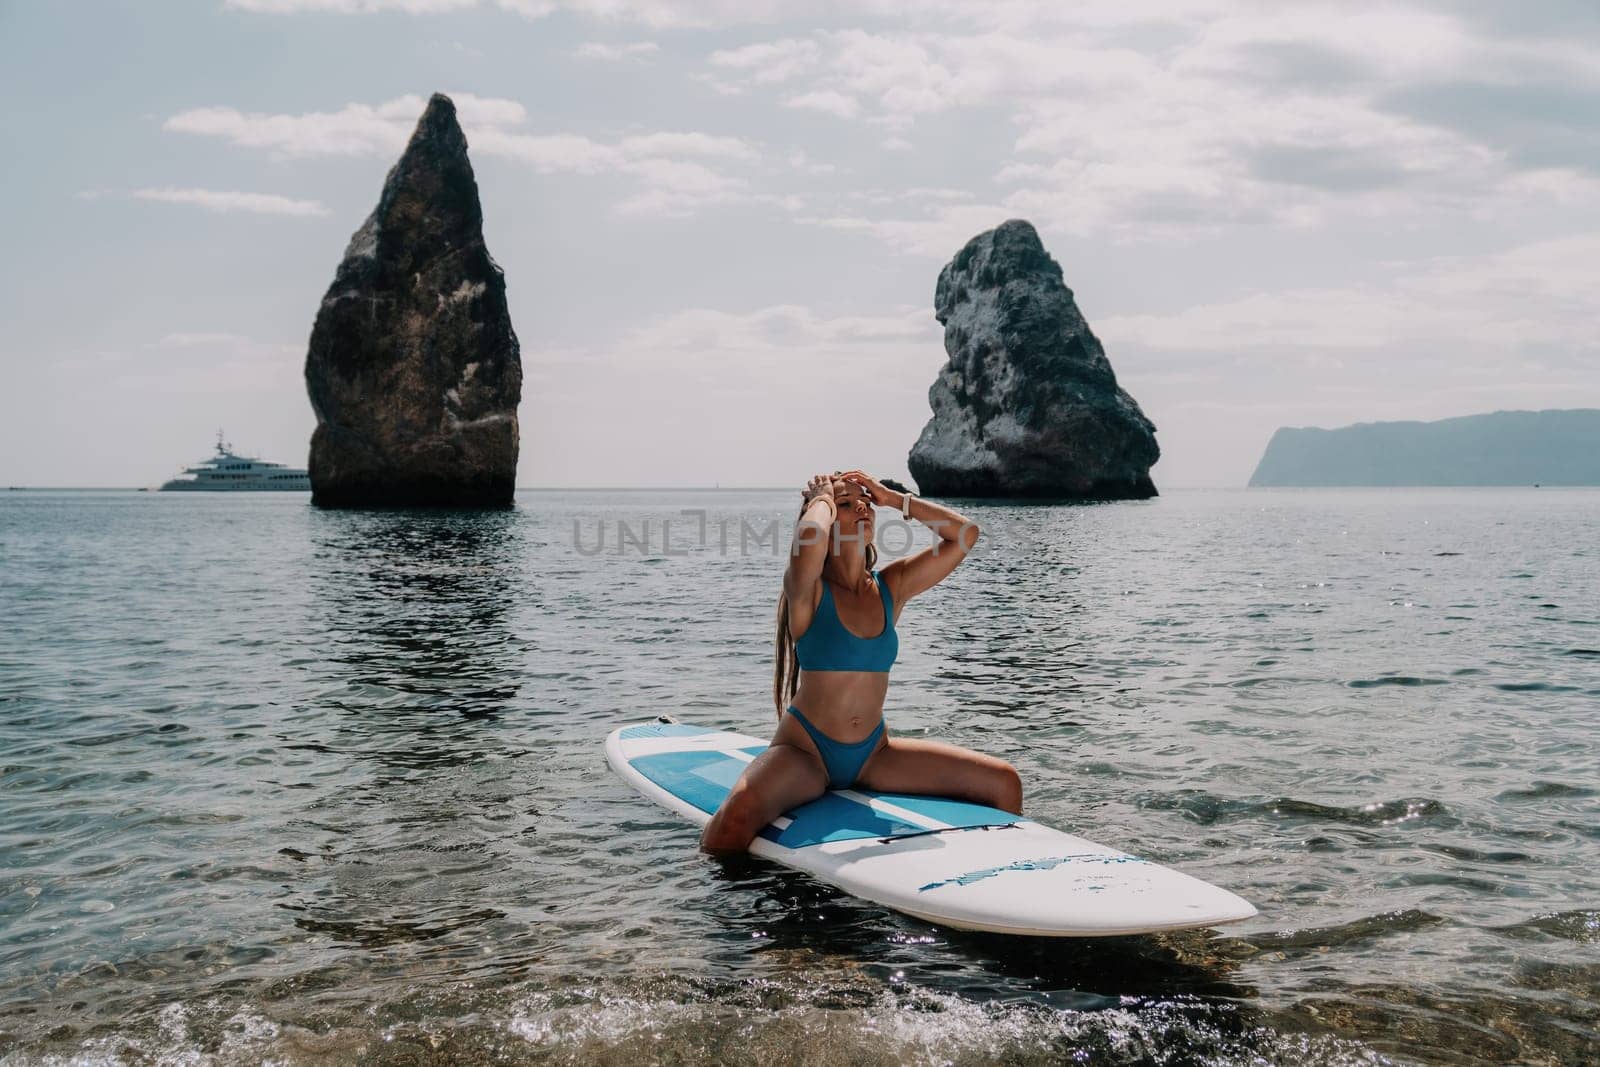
(829, 683)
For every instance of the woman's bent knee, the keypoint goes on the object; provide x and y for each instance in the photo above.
(733, 827)
(1008, 789)
(779, 778)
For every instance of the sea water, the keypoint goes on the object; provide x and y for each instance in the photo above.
(291, 785)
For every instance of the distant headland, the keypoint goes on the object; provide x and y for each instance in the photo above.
(1555, 447)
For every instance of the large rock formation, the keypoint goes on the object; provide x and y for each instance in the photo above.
(1027, 405)
(414, 370)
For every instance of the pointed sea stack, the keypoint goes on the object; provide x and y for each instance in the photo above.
(414, 371)
(1027, 405)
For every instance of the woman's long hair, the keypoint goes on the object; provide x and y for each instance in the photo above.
(785, 664)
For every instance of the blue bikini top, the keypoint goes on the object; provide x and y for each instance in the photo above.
(828, 646)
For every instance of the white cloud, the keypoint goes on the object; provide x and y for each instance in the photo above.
(798, 160)
(826, 101)
(936, 235)
(529, 9)
(677, 187)
(660, 14)
(1538, 296)
(781, 328)
(897, 69)
(769, 62)
(720, 395)
(355, 129)
(717, 85)
(682, 176)
(689, 144)
(225, 201)
(198, 340)
(1290, 115)
(197, 362)
(547, 153)
(924, 196)
(675, 168)
(348, 7)
(670, 14)
(616, 52)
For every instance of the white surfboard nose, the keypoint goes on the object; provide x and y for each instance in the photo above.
(1087, 895)
(1030, 879)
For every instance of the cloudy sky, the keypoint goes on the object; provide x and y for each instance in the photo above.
(721, 221)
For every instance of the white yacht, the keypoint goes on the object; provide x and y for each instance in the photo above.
(227, 472)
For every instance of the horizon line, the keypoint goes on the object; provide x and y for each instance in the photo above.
(524, 488)
(763, 489)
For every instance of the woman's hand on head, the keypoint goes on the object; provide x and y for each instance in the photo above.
(874, 489)
(820, 485)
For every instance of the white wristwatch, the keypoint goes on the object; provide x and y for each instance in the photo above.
(905, 504)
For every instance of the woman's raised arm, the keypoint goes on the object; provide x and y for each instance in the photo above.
(921, 571)
(809, 550)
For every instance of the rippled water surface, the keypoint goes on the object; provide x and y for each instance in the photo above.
(302, 786)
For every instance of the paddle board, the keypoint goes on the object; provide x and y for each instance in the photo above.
(942, 860)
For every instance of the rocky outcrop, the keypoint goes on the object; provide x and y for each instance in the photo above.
(1027, 405)
(414, 371)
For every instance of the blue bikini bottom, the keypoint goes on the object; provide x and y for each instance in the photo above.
(843, 762)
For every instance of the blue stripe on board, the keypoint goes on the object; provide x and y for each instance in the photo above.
(946, 810)
(703, 778)
(663, 729)
(832, 817)
(1048, 864)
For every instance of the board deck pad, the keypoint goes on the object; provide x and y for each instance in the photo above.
(936, 858)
